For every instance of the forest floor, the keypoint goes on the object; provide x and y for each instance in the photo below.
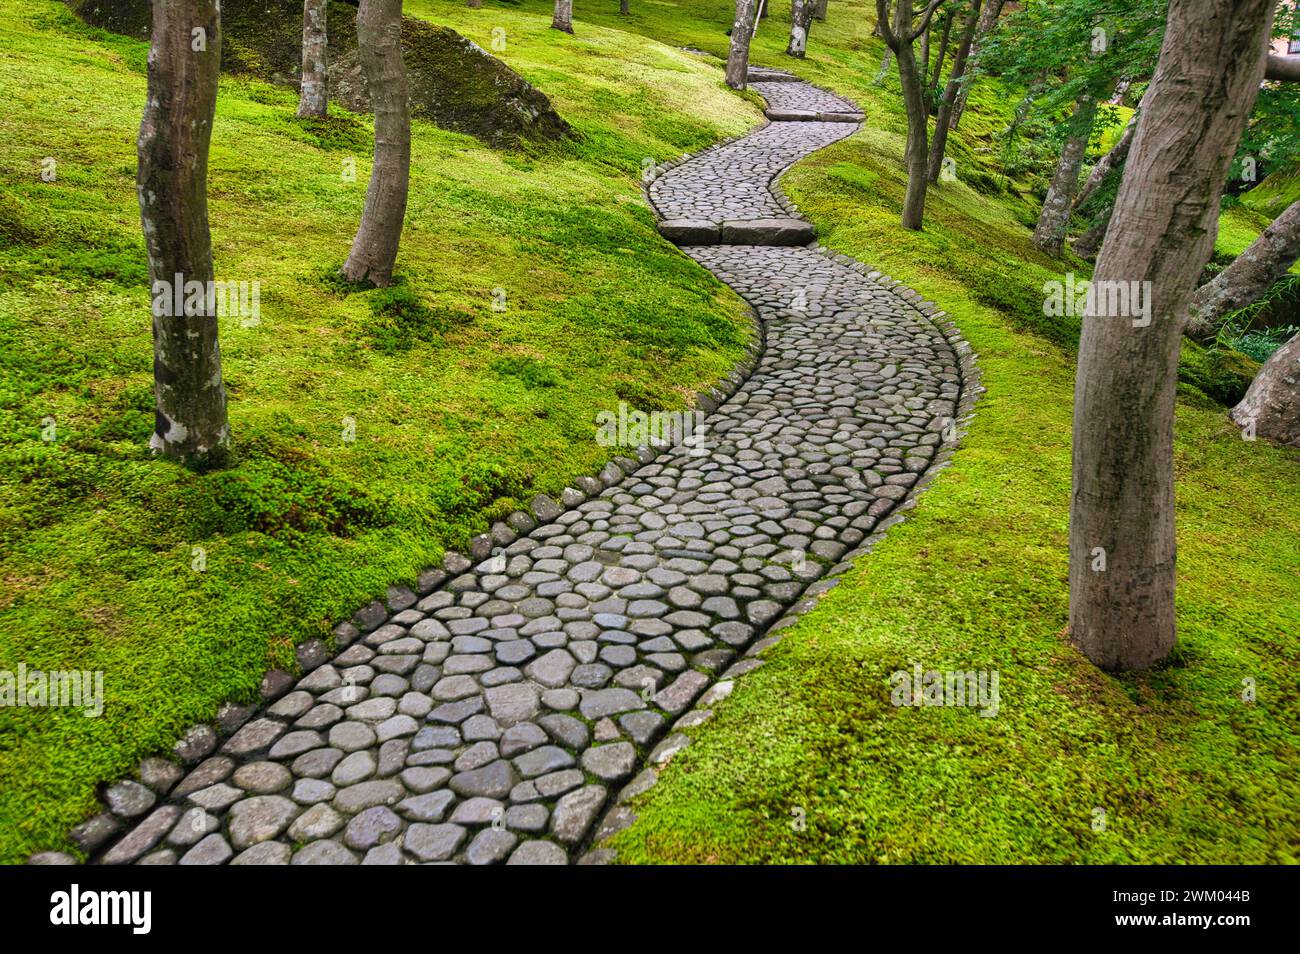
(462, 413)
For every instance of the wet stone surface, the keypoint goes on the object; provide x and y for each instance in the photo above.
(493, 720)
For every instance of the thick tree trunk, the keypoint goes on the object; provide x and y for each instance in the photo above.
(1271, 407)
(1089, 243)
(959, 60)
(742, 30)
(819, 10)
(1251, 274)
(1106, 163)
(190, 423)
(315, 96)
(988, 20)
(1049, 236)
(563, 17)
(379, 43)
(800, 21)
(1122, 566)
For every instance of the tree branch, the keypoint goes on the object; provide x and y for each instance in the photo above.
(1284, 68)
(925, 19)
(882, 23)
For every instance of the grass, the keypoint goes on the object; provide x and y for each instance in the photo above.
(1182, 767)
(461, 413)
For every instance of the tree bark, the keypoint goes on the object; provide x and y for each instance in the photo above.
(884, 68)
(944, 38)
(899, 37)
(474, 4)
(1106, 163)
(1162, 232)
(1089, 243)
(942, 124)
(624, 7)
(742, 30)
(819, 10)
(988, 20)
(190, 422)
(314, 100)
(1054, 220)
(379, 43)
(1250, 276)
(1283, 68)
(1271, 407)
(563, 17)
(800, 21)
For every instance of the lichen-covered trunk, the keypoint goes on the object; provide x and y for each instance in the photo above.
(742, 30)
(884, 68)
(1122, 554)
(800, 20)
(562, 19)
(941, 126)
(1054, 219)
(1271, 407)
(314, 100)
(988, 20)
(379, 44)
(190, 423)
(1250, 275)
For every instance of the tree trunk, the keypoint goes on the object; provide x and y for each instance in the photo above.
(899, 37)
(943, 54)
(624, 7)
(379, 43)
(1162, 232)
(190, 423)
(563, 18)
(742, 30)
(884, 68)
(1106, 163)
(474, 4)
(1053, 221)
(819, 10)
(1089, 243)
(988, 20)
(942, 126)
(1271, 407)
(314, 98)
(1250, 276)
(800, 21)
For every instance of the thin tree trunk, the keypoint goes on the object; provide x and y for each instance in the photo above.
(800, 21)
(379, 43)
(314, 100)
(1122, 554)
(899, 37)
(988, 20)
(959, 60)
(1106, 163)
(819, 10)
(742, 30)
(1054, 220)
(474, 4)
(1250, 275)
(1089, 243)
(563, 18)
(943, 54)
(190, 423)
(624, 7)
(884, 68)
(1271, 407)
(924, 58)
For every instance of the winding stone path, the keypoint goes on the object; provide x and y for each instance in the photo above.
(494, 719)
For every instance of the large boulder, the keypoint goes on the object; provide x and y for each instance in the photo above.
(454, 82)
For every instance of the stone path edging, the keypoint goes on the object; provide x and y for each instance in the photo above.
(514, 730)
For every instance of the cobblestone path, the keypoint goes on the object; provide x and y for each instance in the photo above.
(495, 719)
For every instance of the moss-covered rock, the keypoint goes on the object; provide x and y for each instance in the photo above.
(454, 83)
